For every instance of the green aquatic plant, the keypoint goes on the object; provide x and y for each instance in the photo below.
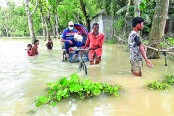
(158, 85)
(162, 85)
(169, 79)
(73, 87)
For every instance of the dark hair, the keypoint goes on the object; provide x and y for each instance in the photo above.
(137, 20)
(94, 25)
(35, 41)
(29, 45)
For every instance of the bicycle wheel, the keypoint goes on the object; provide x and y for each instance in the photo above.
(64, 56)
(82, 66)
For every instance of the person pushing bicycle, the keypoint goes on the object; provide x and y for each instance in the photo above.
(95, 41)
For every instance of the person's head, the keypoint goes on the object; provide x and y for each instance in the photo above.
(138, 23)
(49, 40)
(70, 25)
(36, 42)
(29, 46)
(95, 28)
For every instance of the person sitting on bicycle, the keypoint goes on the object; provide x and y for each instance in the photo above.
(95, 41)
(68, 38)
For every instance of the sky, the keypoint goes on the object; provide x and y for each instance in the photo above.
(4, 2)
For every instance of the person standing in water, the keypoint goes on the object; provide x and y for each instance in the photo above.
(35, 47)
(137, 49)
(49, 44)
(95, 41)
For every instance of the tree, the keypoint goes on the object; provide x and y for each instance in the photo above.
(158, 25)
(83, 7)
(137, 8)
(30, 20)
(54, 6)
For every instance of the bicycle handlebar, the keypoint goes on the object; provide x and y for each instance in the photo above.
(82, 49)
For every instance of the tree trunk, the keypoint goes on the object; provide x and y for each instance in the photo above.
(56, 24)
(30, 20)
(6, 30)
(43, 26)
(83, 7)
(137, 8)
(126, 18)
(47, 27)
(158, 26)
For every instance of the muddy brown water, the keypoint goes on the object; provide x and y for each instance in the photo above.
(22, 78)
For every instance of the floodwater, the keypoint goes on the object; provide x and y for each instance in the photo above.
(22, 78)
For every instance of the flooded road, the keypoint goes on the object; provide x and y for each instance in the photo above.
(22, 78)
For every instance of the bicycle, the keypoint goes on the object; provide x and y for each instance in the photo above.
(82, 64)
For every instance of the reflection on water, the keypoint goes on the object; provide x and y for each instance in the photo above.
(22, 78)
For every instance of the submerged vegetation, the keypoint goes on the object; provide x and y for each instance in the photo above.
(162, 85)
(73, 87)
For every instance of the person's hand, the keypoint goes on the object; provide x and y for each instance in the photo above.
(83, 47)
(70, 41)
(149, 64)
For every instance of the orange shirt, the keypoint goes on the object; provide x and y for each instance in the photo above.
(95, 43)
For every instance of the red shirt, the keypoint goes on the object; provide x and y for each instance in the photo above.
(95, 43)
(30, 52)
(95, 40)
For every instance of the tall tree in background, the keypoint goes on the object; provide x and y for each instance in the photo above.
(137, 8)
(7, 19)
(42, 8)
(30, 20)
(158, 25)
(54, 8)
(87, 18)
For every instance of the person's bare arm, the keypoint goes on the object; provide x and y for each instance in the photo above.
(143, 53)
(63, 40)
(87, 42)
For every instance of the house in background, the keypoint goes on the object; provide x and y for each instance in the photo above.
(105, 24)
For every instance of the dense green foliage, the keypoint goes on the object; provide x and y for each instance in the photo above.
(73, 87)
(13, 20)
(162, 85)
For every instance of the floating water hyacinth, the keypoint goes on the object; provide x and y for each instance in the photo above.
(73, 87)
(162, 85)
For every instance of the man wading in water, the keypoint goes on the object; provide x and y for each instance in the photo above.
(137, 49)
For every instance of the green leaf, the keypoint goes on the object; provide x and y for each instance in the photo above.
(96, 91)
(53, 104)
(38, 103)
(74, 78)
(116, 94)
(99, 85)
(64, 81)
(43, 99)
(86, 82)
(75, 87)
(58, 98)
(64, 92)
